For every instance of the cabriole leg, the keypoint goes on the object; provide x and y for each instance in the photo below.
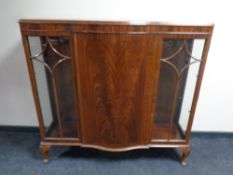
(185, 153)
(44, 149)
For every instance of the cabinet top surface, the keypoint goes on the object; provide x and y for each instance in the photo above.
(27, 25)
(134, 23)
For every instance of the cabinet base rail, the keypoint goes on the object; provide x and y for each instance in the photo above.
(184, 149)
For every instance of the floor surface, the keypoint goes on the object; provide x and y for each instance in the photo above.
(212, 154)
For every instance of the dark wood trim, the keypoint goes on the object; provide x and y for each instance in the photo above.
(155, 90)
(75, 84)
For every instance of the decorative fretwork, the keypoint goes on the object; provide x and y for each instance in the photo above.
(167, 60)
(48, 44)
(51, 70)
(184, 47)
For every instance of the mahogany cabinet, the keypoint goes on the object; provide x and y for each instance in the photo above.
(115, 86)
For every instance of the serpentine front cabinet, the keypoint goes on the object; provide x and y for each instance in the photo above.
(115, 86)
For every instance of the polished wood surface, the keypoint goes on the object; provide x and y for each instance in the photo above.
(117, 89)
(123, 93)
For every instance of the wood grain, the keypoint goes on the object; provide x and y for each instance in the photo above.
(116, 89)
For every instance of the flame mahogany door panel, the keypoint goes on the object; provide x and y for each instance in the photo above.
(116, 81)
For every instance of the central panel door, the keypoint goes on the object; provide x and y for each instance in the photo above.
(117, 82)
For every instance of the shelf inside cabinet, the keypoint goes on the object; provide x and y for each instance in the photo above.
(68, 130)
(163, 131)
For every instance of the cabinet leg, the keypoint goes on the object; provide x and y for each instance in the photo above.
(185, 153)
(44, 149)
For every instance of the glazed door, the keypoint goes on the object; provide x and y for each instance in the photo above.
(51, 65)
(117, 75)
(179, 71)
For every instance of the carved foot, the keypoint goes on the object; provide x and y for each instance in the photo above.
(185, 153)
(44, 149)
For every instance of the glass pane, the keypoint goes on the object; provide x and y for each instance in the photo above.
(179, 67)
(189, 89)
(54, 79)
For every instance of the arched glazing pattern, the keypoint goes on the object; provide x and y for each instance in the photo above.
(48, 43)
(184, 47)
(179, 68)
(52, 68)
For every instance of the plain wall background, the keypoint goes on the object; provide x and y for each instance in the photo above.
(215, 106)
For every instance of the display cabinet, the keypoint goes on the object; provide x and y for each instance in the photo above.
(115, 86)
